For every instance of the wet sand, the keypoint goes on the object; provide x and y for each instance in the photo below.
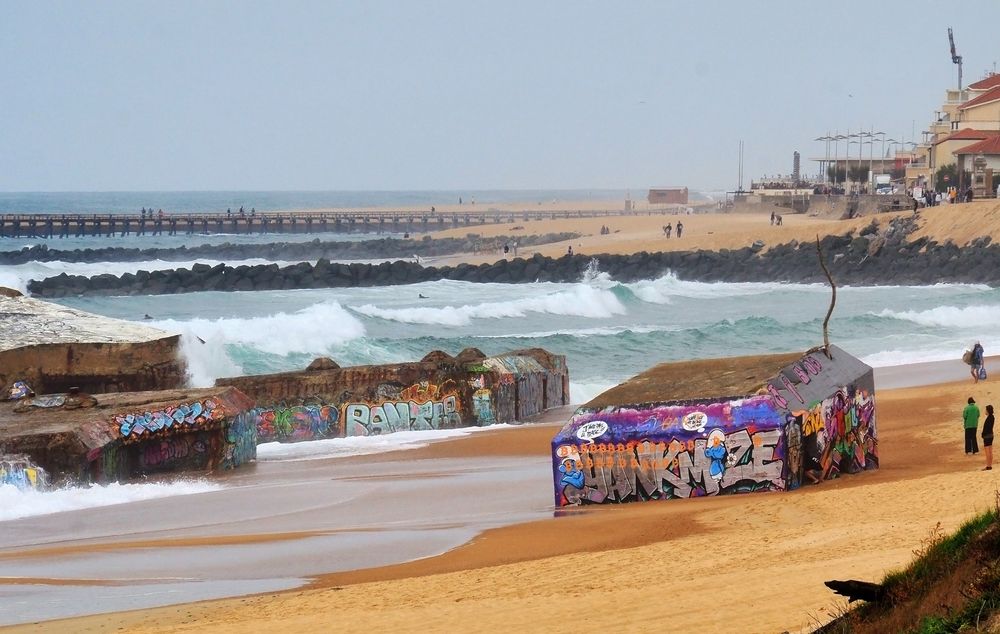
(751, 563)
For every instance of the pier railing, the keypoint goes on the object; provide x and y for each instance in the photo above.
(54, 225)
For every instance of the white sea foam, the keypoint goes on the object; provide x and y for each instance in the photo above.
(581, 300)
(310, 330)
(362, 445)
(15, 503)
(663, 290)
(971, 317)
(580, 393)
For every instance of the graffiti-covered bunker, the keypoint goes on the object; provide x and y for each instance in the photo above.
(720, 426)
(437, 392)
(121, 436)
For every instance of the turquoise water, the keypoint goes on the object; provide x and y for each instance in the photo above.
(608, 331)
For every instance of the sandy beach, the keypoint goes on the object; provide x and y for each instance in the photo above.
(715, 231)
(752, 563)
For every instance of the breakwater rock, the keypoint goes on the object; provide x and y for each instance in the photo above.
(312, 250)
(869, 259)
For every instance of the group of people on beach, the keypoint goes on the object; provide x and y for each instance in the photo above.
(970, 415)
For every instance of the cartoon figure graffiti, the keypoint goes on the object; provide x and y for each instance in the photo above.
(716, 452)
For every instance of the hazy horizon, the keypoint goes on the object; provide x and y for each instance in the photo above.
(251, 96)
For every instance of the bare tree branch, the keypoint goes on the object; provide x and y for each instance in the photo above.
(833, 300)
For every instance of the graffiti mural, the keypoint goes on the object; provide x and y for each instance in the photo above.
(137, 426)
(838, 435)
(530, 394)
(482, 401)
(179, 452)
(21, 473)
(670, 451)
(363, 419)
(241, 441)
(420, 406)
(284, 423)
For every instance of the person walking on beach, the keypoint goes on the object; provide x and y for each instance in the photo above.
(668, 229)
(772, 217)
(988, 438)
(970, 420)
(680, 228)
(978, 370)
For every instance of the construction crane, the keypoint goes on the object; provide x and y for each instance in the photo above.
(955, 57)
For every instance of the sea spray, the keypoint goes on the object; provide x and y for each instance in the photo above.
(16, 504)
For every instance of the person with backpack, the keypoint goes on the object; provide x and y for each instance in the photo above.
(978, 370)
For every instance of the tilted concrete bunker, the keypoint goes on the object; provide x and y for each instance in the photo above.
(53, 348)
(720, 426)
(126, 435)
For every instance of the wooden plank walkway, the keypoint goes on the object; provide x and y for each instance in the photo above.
(108, 225)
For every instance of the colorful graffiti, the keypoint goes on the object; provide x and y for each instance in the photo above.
(482, 406)
(136, 427)
(186, 451)
(22, 474)
(296, 423)
(670, 451)
(363, 419)
(838, 435)
(783, 387)
(241, 441)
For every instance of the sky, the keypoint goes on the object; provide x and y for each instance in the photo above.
(464, 94)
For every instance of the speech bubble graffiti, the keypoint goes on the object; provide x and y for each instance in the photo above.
(590, 431)
(695, 421)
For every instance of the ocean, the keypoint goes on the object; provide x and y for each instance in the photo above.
(608, 330)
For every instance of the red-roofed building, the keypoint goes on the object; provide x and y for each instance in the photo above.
(990, 81)
(987, 154)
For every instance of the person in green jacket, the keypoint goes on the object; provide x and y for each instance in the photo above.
(970, 419)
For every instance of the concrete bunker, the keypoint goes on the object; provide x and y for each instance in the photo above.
(440, 392)
(718, 427)
(127, 435)
(53, 348)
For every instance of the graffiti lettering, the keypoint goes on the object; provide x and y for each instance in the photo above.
(132, 427)
(741, 461)
(362, 419)
(22, 474)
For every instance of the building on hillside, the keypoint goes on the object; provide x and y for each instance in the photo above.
(982, 163)
(976, 107)
(668, 196)
(719, 427)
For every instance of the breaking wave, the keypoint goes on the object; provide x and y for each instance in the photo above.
(581, 300)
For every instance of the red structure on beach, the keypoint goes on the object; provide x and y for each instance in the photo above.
(668, 196)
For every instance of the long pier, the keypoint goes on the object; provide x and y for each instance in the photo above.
(157, 224)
